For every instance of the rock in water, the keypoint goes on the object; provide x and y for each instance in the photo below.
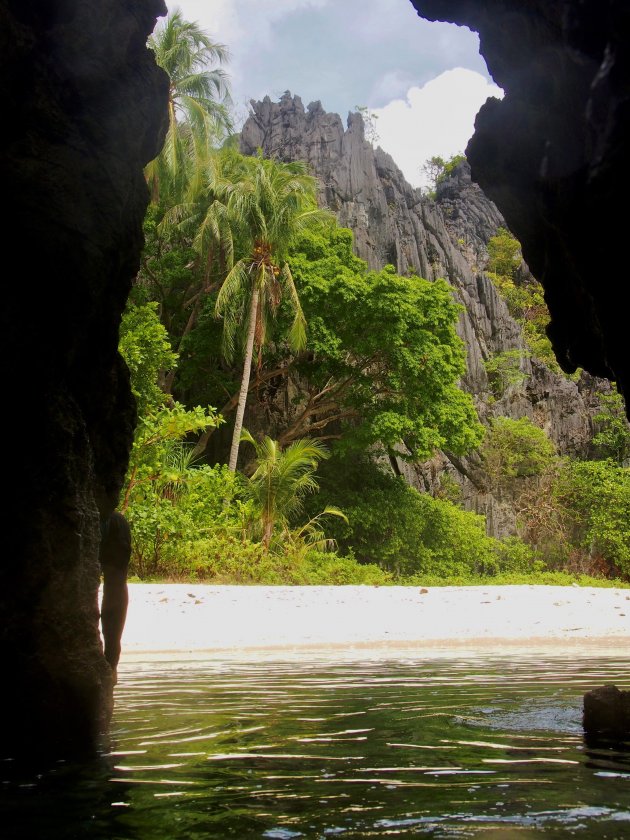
(607, 712)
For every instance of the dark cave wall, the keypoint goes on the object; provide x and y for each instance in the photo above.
(85, 110)
(553, 156)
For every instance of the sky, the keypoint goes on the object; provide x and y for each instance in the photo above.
(423, 82)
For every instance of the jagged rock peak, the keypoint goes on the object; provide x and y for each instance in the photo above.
(362, 185)
(394, 223)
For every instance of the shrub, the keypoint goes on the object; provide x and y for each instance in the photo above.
(504, 371)
(515, 449)
(613, 437)
(228, 559)
(595, 499)
(406, 532)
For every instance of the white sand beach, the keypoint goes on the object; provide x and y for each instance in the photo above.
(187, 618)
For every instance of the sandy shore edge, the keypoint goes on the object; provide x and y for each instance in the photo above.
(187, 619)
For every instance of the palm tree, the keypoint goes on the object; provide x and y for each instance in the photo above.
(203, 220)
(197, 105)
(267, 205)
(281, 480)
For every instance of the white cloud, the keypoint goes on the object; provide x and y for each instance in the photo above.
(436, 119)
(247, 28)
(344, 53)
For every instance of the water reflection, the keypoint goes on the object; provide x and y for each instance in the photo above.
(437, 747)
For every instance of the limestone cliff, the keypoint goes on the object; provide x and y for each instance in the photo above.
(394, 223)
(553, 155)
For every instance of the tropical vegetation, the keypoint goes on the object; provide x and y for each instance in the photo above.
(198, 104)
(283, 388)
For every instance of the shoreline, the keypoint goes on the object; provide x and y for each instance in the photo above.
(185, 620)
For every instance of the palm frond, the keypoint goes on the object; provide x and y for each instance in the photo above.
(231, 304)
(297, 331)
(283, 477)
(214, 232)
(198, 102)
(312, 535)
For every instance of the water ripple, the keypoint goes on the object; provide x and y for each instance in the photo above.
(281, 749)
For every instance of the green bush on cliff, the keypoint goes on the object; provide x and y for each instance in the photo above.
(523, 294)
(514, 449)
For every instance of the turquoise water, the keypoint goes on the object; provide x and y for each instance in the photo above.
(443, 747)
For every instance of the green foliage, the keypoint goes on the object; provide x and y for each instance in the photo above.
(450, 165)
(577, 517)
(266, 205)
(258, 212)
(199, 101)
(505, 370)
(533, 578)
(517, 557)
(504, 253)
(330, 569)
(432, 168)
(225, 558)
(613, 438)
(411, 533)
(281, 479)
(311, 536)
(594, 497)
(369, 123)
(167, 496)
(145, 347)
(379, 374)
(384, 358)
(173, 511)
(523, 295)
(514, 449)
(170, 275)
(436, 169)
(449, 489)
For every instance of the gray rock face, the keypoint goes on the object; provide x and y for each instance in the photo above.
(553, 155)
(394, 223)
(88, 110)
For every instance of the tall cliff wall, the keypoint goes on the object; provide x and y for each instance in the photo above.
(394, 223)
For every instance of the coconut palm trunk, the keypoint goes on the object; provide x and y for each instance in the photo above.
(247, 367)
(267, 531)
(267, 204)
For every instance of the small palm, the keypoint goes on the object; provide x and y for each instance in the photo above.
(281, 480)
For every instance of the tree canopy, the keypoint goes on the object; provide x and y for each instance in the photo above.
(380, 368)
(384, 360)
(251, 299)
